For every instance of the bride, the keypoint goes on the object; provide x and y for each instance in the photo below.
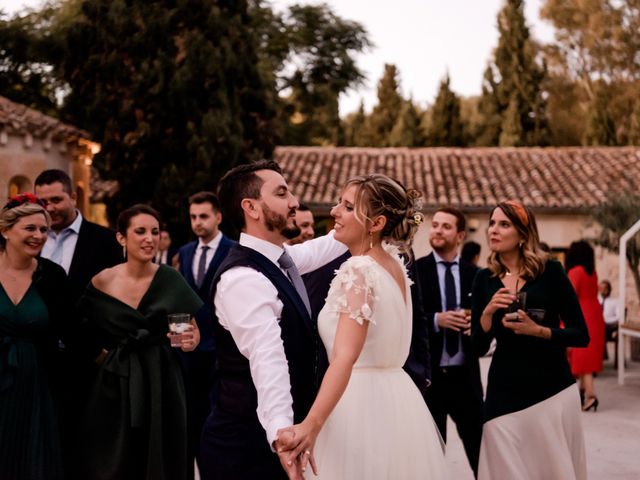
(369, 419)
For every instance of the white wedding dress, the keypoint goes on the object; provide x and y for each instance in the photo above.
(381, 428)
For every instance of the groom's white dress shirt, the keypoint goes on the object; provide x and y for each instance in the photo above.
(247, 305)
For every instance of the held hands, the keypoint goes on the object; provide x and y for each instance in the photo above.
(295, 444)
(293, 469)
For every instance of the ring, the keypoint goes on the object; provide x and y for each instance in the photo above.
(307, 452)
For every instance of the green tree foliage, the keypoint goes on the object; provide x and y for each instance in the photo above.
(308, 53)
(385, 114)
(596, 51)
(171, 91)
(600, 127)
(514, 86)
(357, 128)
(407, 132)
(446, 127)
(26, 75)
(617, 215)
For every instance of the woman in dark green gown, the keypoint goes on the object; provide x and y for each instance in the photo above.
(32, 310)
(134, 425)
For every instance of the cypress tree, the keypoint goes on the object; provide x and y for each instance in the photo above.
(172, 92)
(601, 129)
(518, 86)
(407, 132)
(385, 114)
(446, 127)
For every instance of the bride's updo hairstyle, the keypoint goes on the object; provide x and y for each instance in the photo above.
(377, 194)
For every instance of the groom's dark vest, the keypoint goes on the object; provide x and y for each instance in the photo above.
(237, 394)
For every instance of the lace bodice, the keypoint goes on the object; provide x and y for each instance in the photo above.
(365, 290)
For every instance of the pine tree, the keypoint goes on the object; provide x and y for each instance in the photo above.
(518, 84)
(385, 113)
(407, 132)
(171, 91)
(446, 127)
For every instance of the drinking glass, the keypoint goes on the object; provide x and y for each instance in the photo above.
(518, 304)
(178, 324)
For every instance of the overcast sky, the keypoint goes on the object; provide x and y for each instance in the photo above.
(424, 38)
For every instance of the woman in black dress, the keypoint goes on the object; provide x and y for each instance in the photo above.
(33, 308)
(532, 424)
(135, 425)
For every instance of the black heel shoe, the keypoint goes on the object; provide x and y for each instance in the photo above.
(589, 403)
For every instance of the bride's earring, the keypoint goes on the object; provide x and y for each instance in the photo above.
(370, 240)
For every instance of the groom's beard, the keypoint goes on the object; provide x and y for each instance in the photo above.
(278, 223)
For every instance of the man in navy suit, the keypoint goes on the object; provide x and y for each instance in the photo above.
(456, 389)
(83, 249)
(198, 262)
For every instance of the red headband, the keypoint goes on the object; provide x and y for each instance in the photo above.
(521, 212)
(21, 199)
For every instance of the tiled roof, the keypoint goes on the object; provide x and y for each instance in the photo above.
(559, 178)
(19, 119)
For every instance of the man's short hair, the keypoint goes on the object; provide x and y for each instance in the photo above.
(303, 208)
(461, 221)
(205, 197)
(239, 183)
(47, 177)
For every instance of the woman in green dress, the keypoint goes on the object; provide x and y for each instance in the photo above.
(32, 310)
(134, 425)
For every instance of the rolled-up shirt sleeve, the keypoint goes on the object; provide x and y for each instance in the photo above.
(253, 321)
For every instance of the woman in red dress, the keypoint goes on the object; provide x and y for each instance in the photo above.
(580, 265)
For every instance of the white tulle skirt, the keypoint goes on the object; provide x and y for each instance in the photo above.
(381, 429)
(543, 441)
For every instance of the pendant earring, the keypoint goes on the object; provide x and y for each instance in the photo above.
(370, 240)
(124, 251)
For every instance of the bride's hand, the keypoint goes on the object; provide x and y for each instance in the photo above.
(304, 437)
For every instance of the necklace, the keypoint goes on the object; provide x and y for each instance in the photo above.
(508, 273)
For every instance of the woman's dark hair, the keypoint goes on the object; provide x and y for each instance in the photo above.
(580, 253)
(124, 219)
(239, 183)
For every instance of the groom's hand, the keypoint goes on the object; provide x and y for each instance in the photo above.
(285, 440)
(292, 468)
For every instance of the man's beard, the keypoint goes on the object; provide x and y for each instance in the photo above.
(278, 223)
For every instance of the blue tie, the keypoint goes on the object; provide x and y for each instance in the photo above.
(451, 337)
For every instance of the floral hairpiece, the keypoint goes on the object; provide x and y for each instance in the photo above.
(21, 199)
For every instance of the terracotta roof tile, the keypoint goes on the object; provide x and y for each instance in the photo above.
(19, 119)
(559, 178)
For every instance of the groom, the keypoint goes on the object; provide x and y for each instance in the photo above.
(267, 345)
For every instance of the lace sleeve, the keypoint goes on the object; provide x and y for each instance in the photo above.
(353, 290)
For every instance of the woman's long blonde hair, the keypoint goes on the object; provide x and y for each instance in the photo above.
(533, 258)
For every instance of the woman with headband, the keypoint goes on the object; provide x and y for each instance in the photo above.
(33, 305)
(533, 427)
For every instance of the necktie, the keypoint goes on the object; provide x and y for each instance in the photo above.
(202, 266)
(56, 255)
(286, 262)
(451, 337)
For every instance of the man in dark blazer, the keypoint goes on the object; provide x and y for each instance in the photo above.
(83, 249)
(456, 388)
(198, 262)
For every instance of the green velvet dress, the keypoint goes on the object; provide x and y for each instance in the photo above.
(134, 425)
(29, 442)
